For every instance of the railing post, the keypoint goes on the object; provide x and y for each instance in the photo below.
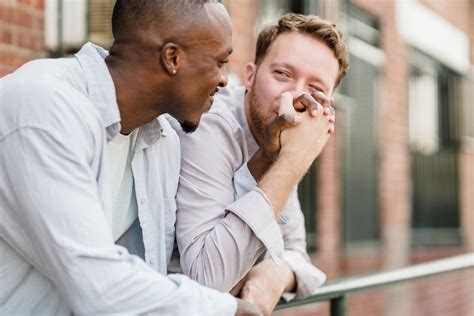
(338, 306)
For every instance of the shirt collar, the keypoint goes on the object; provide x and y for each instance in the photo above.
(149, 134)
(100, 86)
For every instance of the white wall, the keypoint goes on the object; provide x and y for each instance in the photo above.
(422, 28)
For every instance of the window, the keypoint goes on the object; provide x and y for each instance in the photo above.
(69, 24)
(272, 10)
(434, 102)
(99, 25)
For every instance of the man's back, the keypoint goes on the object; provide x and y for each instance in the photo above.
(45, 115)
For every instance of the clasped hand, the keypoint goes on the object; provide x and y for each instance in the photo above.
(303, 125)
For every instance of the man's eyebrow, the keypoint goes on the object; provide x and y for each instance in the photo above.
(285, 65)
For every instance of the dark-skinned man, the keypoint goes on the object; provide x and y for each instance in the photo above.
(88, 167)
(90, 170)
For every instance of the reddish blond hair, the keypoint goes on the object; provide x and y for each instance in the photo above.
(311, 25)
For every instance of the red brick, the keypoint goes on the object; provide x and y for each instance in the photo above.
(22, 18)
(27, 2)
(38, 22)
(5, 34)
(39, 4)
(6, 14)
(7, 58)
(29, 40)
(22, 59)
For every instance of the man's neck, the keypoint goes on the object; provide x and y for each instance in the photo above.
(135, 107)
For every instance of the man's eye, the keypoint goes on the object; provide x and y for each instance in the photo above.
(222, 63)
(282, 73)
(314, 89)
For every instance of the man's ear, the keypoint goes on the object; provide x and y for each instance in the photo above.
(171, 57)
(250, 72)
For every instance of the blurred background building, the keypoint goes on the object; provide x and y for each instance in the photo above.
(395, 184)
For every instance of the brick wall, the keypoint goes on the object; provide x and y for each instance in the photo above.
(394, 181)
(471, 30)
(21, 33)
(329, 221)
(460, 14)
(22, 39)
(449, 294)
(467, 198)
(244, 15)
(467, 156)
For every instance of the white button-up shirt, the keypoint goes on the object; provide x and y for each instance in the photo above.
(57, 254)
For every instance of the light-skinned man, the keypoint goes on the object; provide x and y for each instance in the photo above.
(237, 199)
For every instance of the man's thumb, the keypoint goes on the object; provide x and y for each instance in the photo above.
(286, 104)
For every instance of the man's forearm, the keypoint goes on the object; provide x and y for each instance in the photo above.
(279, 181)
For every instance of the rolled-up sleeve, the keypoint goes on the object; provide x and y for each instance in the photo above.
(308, 277)
(220, 239)
(52, 216)
(248, 196)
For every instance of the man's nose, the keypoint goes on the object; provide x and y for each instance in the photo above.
(297, 89)
(223, 77)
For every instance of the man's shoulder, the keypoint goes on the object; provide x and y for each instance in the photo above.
(41, 80)
(42, 93)
(45, 71)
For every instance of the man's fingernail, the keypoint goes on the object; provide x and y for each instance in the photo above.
(297, 118)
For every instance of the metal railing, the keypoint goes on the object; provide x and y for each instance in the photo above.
(336, 291)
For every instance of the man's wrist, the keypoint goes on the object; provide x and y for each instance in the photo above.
(290, 278)
(259, 164)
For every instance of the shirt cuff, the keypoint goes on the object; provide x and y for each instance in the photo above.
(223, 303)
(308, 277)
(256, 211)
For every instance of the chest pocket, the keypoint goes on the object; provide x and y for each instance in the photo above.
(170, 223)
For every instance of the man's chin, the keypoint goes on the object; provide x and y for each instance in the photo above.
(189, 127)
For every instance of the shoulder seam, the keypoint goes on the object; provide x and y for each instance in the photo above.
(26, 126)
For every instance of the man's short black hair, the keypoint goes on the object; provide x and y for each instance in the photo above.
(129, 15)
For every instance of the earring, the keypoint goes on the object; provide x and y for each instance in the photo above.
(174, 71)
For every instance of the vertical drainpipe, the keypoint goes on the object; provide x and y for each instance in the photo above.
(60, 29)
(88, 20)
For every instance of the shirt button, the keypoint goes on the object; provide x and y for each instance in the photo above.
(282, 220)
(143, 201)
(151, 261)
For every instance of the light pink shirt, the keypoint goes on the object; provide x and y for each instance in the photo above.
(225, 223)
